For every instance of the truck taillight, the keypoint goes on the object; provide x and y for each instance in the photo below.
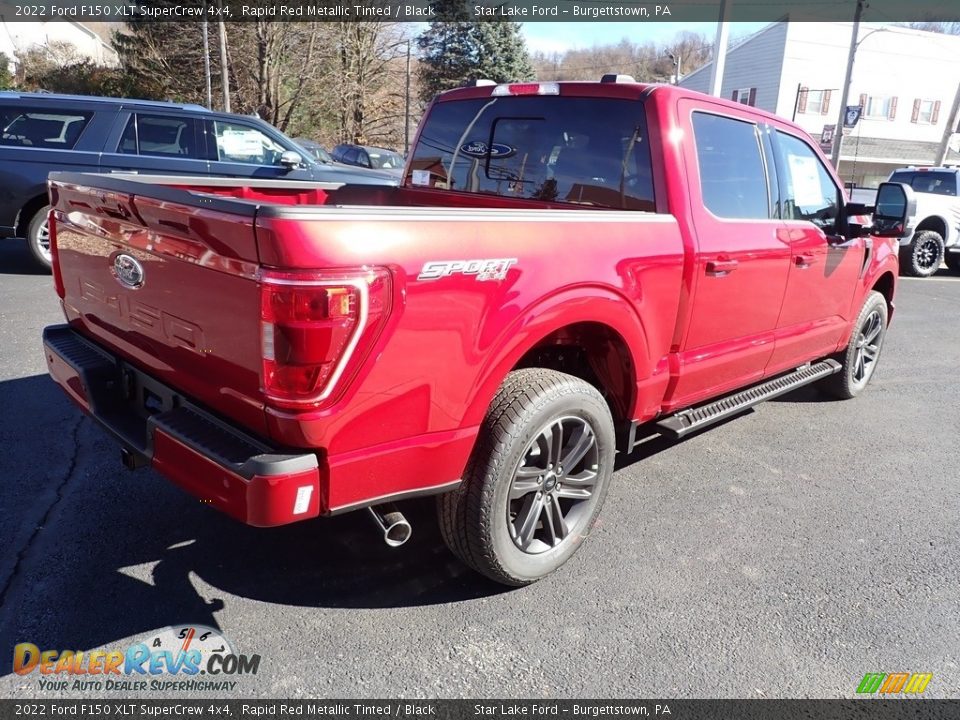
(315, 327)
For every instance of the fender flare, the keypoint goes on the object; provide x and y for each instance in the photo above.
(602, 305)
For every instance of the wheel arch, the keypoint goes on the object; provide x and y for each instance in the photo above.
(596, 336)
(886, 285)
(936, 223)
(27, 212)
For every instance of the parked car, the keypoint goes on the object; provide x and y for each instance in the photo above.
(368, 156)
(41, 133)
(318, 151)
(935, 238)
(557, 279)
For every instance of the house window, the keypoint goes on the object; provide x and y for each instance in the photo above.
(878, 107)
(926, 111)
(814, 101)
(745, 96)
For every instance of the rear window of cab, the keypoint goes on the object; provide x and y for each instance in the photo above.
(581, 151)
(936, 182)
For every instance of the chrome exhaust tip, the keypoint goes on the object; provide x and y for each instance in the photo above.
(394, 526)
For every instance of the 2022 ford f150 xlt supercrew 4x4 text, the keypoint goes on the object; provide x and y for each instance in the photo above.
(564, 266)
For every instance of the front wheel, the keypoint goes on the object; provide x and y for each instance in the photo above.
(922, 257)
(859, 360)
(38, 238)
(536, 479)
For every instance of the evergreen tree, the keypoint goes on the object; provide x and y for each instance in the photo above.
(456, 51)
(6, 77)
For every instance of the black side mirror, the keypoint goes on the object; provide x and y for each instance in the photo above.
(894, 210)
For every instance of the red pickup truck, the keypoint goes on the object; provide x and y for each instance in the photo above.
(565, 268)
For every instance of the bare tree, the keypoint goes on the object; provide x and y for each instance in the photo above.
(647, 62)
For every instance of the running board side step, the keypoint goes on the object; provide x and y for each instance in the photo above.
(692, 419)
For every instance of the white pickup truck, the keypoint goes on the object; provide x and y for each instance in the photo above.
(935, 236)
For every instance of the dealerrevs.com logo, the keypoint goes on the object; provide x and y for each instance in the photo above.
(174, 658)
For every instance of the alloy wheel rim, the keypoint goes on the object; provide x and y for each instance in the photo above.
(867, 347)
(553, 487)
(43, 240)
(927, 254)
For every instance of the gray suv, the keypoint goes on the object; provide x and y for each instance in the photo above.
(41, 133)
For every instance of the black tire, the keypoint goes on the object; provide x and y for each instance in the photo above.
(922, 257)
(480, 522)
(857, 365)
(952, 259)
(38, 239)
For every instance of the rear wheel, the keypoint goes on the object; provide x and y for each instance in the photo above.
(922, 257)
(38, 238)
(536, 480)
(860, 358)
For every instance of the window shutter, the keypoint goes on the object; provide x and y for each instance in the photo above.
(936, 112)
(915, 115)
(863, 103)
(735, 96)
(825, 104)
(802, 100)
(893, 108)
(752, 100)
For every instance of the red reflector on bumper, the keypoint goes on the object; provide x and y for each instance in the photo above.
(262, 501)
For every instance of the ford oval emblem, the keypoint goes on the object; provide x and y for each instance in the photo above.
(479, 149)
(128, 271)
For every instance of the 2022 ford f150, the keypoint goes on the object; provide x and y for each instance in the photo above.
(563, 264)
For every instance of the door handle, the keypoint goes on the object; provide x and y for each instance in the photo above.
(720, 268)
(804, 261)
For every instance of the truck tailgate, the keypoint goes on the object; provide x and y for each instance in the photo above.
(170, 287)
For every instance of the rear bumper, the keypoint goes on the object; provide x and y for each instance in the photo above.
(221, 465)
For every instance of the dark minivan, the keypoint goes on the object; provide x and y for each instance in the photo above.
(42, 133)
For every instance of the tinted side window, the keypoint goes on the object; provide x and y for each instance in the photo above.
(587, 151)
(733, 178)
(161, 136)
(39, 128)
(384, 159)
(809, 193)
(351, 156)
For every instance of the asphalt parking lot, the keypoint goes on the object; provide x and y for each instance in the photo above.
(782, 554)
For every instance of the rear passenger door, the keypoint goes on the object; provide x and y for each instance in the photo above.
(741, 265)
(158, 144)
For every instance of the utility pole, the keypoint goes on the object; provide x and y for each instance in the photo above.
(949, 129)
(224, 69)
(720, 49)
(406, 108)
(845, 95)
(206, 57)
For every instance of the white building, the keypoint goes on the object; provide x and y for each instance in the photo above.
(904, 79)
(89, 41)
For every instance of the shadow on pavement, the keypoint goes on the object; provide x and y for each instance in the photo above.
(118, 553)
(15, 258)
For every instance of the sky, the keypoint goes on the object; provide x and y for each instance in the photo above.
(560, 36)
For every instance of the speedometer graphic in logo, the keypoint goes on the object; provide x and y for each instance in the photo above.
(204, 639)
